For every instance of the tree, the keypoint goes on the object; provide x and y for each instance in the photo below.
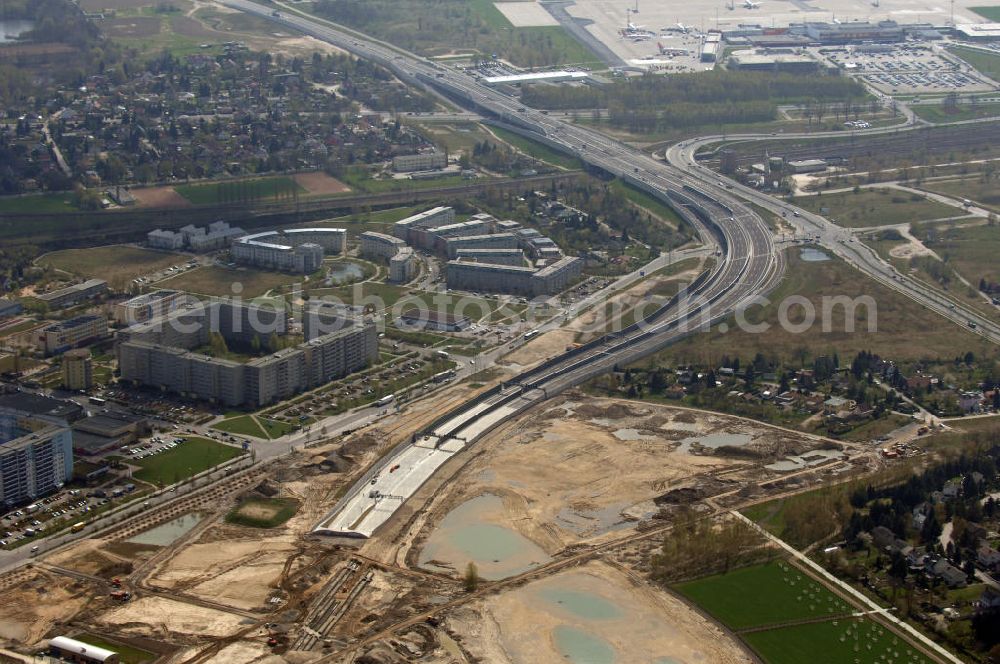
(931, 530)
(471, 578)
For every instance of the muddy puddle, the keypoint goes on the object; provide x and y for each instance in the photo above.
(167, 533)
(473, 532)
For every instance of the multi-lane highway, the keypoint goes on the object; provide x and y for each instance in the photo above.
(748, 266)
(841, 242)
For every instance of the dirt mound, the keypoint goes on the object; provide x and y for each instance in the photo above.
(681, 496)
(613, 411)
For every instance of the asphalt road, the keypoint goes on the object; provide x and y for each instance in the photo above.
(749, 264)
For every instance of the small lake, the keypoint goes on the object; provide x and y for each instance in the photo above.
(11, 29)
(580, 647)
(342, 273)
(582, 604)
(716, 440)
(167, 533)
(811, 255)
(470, 534)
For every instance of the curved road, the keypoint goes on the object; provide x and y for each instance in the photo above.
(749, 265)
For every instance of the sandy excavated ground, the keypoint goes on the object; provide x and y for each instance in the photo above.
(564, 476)
(29, 610)
(517, 627)
(240, 566)
(156, 616)
(539, 349)
(593, 322)
(912, 248)
(157, 197)
(321, 183)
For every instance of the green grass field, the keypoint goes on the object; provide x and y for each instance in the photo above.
(538, 150)
(236, 191)
(263, 512)
(875, 207)
(258, 427)
(971, 251)
(222, 281)
(855, 640)
(987, 63)
(989, 13)
(644, 200)
(116, 264)
(895, 335)
(36, 204)
(985, 192)
(762, 595)
(126, 654)
(965, 111)
(244, 425)
(189, 458)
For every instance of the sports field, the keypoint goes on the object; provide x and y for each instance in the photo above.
(762, 595)
(857, 640)
(788, 618)
(241, 191)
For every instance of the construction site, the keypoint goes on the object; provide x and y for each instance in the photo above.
(559, 511)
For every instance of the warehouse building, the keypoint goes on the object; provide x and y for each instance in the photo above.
(807, 166)
(60, 337)
(36, 456)
(781, 62)
(27, 403)
(107, 431)
(75, 294)
(559, 76)
(712, 47)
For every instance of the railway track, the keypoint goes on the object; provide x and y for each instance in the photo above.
(327, 609)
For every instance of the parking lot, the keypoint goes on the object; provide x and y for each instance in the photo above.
(909, 69)
(55, 512)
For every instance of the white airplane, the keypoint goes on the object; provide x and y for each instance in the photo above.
(750, 4)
